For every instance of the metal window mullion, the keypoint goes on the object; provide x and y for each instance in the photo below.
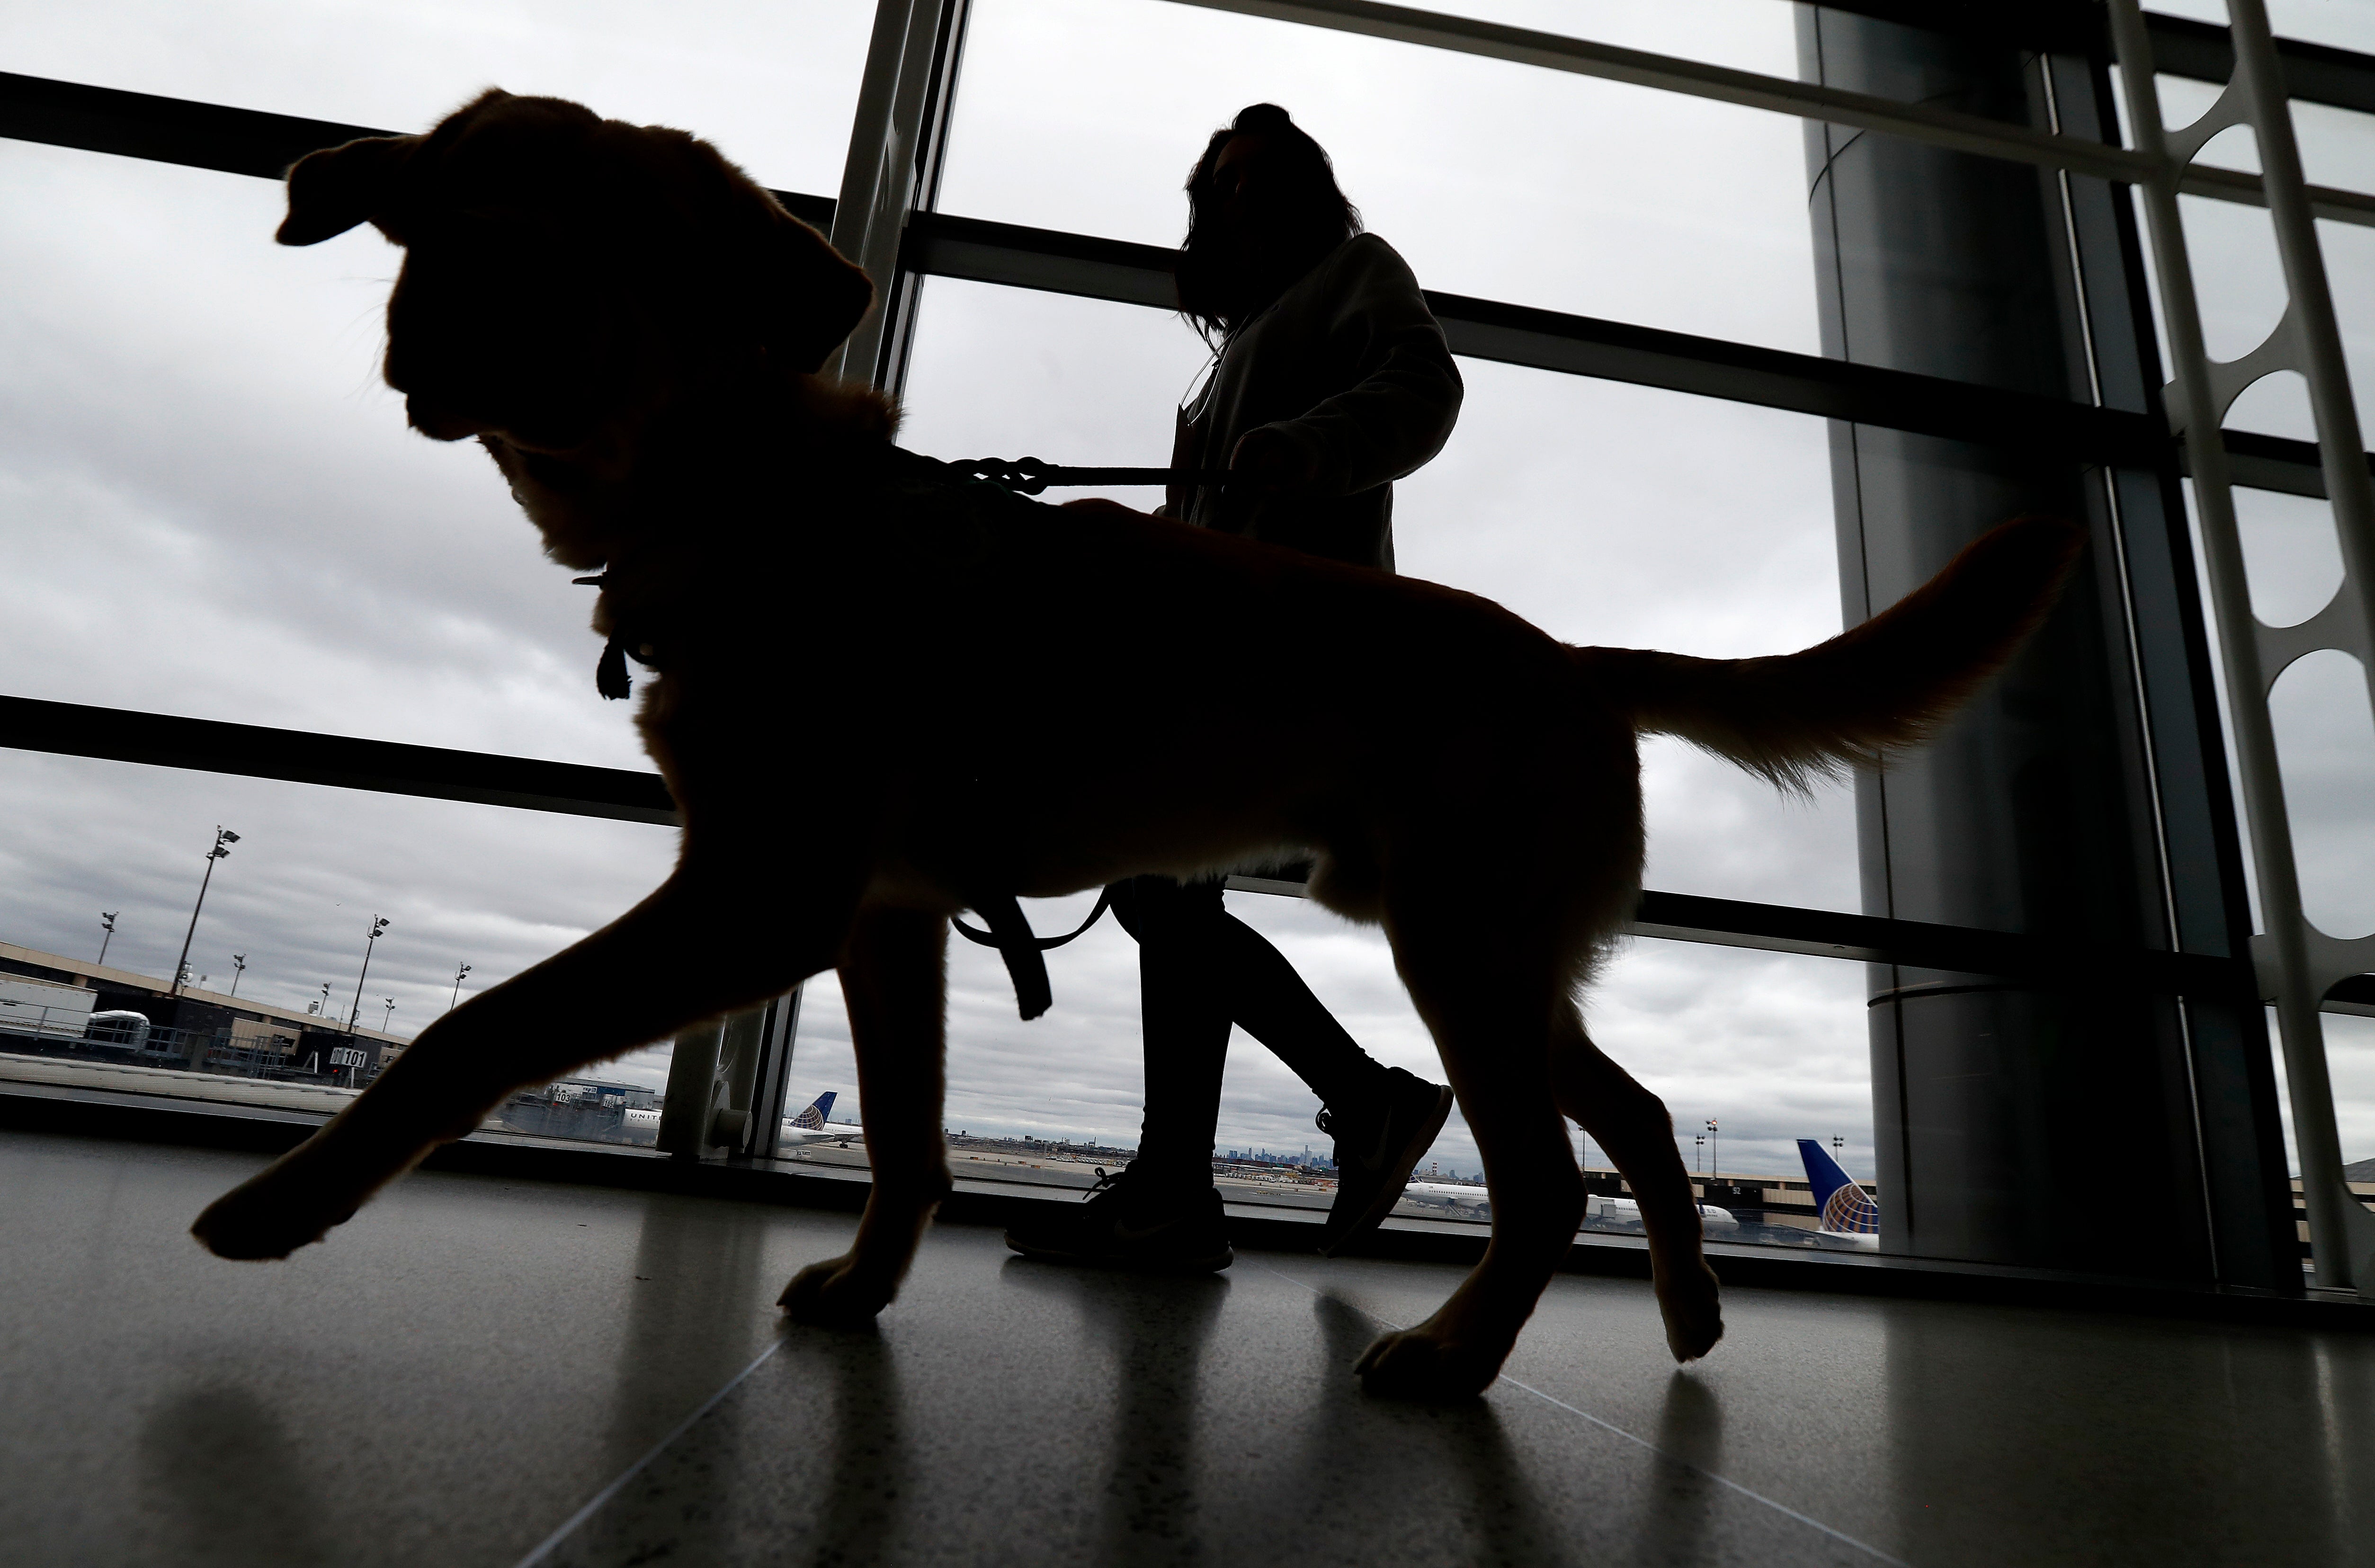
(1778, 95)
(1696, 78)
(869, 219)
(878, 179)
(2297, 963)
(931, 150)
(908, 74)
(769, 1106)
(247, 142)
(878, 184)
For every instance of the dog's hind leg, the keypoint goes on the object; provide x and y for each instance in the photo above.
(1632, 1125)
(894, 977)
(702, 945)
(1486, 989)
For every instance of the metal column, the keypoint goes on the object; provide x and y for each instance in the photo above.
(2077, 796)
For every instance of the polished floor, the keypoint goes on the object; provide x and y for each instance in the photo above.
(476, 1372)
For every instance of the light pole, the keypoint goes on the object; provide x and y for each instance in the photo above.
(107, 926)
(1698, 1153)
(387, 1014)
(459, 970)
(323, 1006)
(224, 839)
(379, 923)
(238, 968)
(1715, 1153)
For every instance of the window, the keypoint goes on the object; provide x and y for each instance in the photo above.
(214, 514)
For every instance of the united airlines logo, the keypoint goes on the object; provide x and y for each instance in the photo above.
(1851, 1210)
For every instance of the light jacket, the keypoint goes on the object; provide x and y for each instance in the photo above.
(1349, 363)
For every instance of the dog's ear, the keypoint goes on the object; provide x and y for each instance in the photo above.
(333, 189)
(817, 297)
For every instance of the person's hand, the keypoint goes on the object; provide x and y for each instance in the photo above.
(1273, 464)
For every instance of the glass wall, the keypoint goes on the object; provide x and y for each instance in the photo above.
(276, 976)
(1495, 179)
(211, 508)
(213, 504)
(2341, 24)
(1602, 512)
(774, 86)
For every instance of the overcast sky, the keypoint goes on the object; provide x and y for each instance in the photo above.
(208, 504)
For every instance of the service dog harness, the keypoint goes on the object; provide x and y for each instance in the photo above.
(1009, 931)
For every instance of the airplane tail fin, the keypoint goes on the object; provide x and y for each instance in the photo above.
(813, 1118)
(1844, 1206)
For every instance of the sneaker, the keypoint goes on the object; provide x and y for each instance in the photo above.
(1132, 1221)
(1378, 1142)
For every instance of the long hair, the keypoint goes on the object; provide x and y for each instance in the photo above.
(1302, 217)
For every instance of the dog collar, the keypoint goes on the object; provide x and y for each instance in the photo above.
(610, 677)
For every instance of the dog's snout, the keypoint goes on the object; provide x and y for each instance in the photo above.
(439, 424)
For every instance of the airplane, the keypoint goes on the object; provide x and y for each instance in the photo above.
(1626, 1211)
(1455, 1196)
(810, 1127)
(1848, 1213)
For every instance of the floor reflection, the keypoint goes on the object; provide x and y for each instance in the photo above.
(695, 1288)
(1381, 1455)
(1681, 1510)
(1152, 1331)
(223, 1472)
(2011, 1429)
(2345, 1386)
(870, 1473)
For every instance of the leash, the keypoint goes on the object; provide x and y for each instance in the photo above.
(990, 939)
(1029, 475)
(1010, 932)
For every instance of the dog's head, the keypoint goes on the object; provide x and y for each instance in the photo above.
(567, 277)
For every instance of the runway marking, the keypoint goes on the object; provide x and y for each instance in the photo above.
(569, 1526)
(1608, 1426)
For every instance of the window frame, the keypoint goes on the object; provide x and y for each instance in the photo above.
(884, 216)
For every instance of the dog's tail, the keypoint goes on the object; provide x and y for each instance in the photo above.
(1874, 688)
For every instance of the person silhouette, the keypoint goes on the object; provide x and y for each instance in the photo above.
(1329, 379)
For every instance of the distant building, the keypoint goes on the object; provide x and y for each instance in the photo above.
(48, 996)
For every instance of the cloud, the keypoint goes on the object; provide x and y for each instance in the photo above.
(774, 85)
(494, 888)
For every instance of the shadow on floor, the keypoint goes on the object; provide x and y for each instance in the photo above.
(216, 1464)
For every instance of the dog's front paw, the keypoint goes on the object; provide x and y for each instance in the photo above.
(837, 1294)
(1415, 1364)
(1691, 1303)
(269, 1217)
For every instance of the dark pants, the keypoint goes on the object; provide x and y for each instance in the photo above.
(1201, 969)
